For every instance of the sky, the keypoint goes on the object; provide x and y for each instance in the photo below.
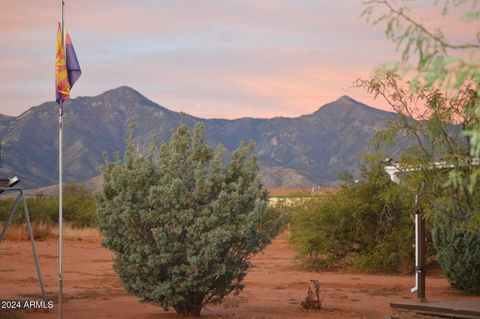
(208, 58)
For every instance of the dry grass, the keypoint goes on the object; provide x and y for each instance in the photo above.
(79, 233)
(44, 232)
(20, 232)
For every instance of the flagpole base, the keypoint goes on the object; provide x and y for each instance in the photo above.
(60, 296)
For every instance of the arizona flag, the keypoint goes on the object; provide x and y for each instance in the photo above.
(67, 68)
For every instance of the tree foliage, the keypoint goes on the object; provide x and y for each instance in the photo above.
(450, 197)
(184, 222)
(367, 224)
(431, 56)
(434, 57)
(434, 125)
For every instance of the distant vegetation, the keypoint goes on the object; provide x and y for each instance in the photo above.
(79, 209)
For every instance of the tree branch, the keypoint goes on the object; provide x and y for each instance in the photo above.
(438, 38)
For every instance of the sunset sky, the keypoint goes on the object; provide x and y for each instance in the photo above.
(224, 59)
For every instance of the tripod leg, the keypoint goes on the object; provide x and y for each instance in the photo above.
(32, 240)
(10, 217)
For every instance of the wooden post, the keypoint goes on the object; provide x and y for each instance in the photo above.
(313, 296)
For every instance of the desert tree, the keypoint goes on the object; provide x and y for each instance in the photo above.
(440, 110)
(431, 126)
(444, 81)
(431, 56)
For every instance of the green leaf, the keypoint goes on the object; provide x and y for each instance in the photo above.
(461, 77)
(471, 15)
(413, 83)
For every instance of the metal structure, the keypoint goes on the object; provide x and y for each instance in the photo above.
(393, 170)
(21, 197)
(420, 271)
(60, 190)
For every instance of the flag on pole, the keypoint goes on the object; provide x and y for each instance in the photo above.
(73, 67)
(67, 68)
(67, 72)
(62, 86)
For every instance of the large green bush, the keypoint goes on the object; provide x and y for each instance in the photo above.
(367, 225)
(458, 251)
(184, 223)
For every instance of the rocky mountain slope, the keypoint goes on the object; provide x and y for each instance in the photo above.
(294, 152)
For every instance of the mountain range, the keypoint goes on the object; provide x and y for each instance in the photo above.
(303, 151)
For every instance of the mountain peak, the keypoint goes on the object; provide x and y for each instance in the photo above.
(125, 94)
(123, 90)
(346, 103)
(346, 99)
(302, 151)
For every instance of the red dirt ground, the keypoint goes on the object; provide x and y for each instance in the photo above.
(273, 289)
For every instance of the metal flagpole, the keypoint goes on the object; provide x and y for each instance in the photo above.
(60, 190)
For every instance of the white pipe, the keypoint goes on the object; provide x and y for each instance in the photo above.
(417, 252)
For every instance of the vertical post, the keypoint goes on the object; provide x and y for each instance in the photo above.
(60, 191)
(421, 257)
(60, 211)
(417, 249)
(420, 271)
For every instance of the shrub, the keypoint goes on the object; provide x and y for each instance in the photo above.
(79, 208)
(458, 252)
(367, 225)
(184, 226)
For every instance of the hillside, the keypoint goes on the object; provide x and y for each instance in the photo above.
(294, 152)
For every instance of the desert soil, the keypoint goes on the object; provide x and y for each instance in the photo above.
(273, 288)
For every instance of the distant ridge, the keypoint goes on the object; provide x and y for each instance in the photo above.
(303, 151)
